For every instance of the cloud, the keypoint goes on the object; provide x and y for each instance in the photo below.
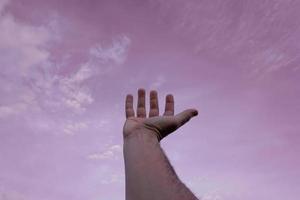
(116, 52)
(22, 49)
(71, 91)
(84, 73)
(114, 178)
(12, 109)
(234, 35)
(112, 153)
(72, 128)
(71, 125)
(160, 80)
(271, 60)
(103, 123)
(74, 95)
(212, 197)
(35, 86)
(21, 46)
(27, 68)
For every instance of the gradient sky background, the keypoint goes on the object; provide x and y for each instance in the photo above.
(66, 66)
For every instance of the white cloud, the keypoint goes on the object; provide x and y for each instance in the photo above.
(74, 95)
(116, 148)
(55, 92)
(160, 80)
(77, 96)
(67, 125)
(24, 57)
(12, 109)
(101, 156)
(114, 178)
(212, 195)
(116, 52)
(84, 73)
(256, 45)
(31, 84)
(270, 60)
(23, 101)
(72, 128)
(21, 46)
(113, 152)
(103, 123)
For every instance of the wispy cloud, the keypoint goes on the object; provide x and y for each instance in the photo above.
(22, 49)
(112, 153)
(114, 178)
(72, 128)
(212, 196)
(22, 46)
(25, 57)
(235, 35)
(77, 95)
(74, 95)
(271, 60)
(115, 52)
(12, 109)
(159, 81)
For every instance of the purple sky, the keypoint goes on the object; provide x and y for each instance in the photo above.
(66, 66)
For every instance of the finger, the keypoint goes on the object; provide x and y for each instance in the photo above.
(141, 110)
(129, 106)
(169, 109)
(154, 110)
(185, 116)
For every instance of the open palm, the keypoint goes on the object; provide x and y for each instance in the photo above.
(161, 125)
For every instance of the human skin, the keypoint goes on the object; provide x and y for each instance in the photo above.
(148, 172)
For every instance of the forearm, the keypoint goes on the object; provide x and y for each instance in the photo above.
(149, 175)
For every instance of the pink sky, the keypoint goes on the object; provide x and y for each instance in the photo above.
(66, 66)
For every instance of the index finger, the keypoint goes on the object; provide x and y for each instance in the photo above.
(129, 106)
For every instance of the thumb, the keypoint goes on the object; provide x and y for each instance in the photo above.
(185, 116)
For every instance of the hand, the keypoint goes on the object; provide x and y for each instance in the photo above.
(160, 125)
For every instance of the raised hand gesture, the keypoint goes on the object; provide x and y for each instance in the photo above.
(160, 125)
